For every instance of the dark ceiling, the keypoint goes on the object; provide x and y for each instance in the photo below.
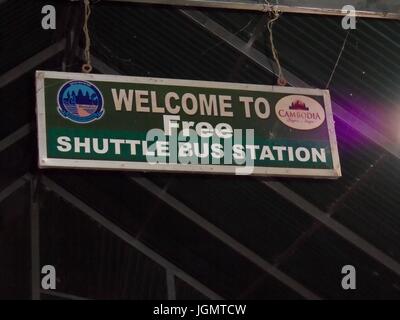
(219, 236)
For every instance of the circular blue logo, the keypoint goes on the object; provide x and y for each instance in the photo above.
(80, 102)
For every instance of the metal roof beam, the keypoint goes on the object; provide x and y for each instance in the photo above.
(269, 65)
(225, 238)
(333, 225)
(123, 235)
(261, 23)
(35, 239)
(171, 288)
(12, 187)
(31, 63)
(244, 5)
(61, 295)
(15, 136)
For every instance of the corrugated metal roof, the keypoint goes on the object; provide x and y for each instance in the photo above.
(366, 81)
(159, 41)
(22, 34)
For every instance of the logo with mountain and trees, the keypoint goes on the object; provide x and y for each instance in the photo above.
(80, 102)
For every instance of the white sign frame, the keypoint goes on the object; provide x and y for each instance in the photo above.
(45, 162)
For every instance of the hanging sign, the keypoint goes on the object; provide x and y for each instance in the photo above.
(131, 123)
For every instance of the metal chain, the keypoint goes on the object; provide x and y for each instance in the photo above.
(87, 67)
(273, 17)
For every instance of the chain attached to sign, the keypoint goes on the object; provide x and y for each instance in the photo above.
(273, 16)
(87, 67)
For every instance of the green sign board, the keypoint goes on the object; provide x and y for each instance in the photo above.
(152, 124)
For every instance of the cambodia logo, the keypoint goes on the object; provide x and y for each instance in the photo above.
(300, 112)
(80, 102)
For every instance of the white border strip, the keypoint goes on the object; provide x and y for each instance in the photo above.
(177, 82)
(145, 166)
(332, 134)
